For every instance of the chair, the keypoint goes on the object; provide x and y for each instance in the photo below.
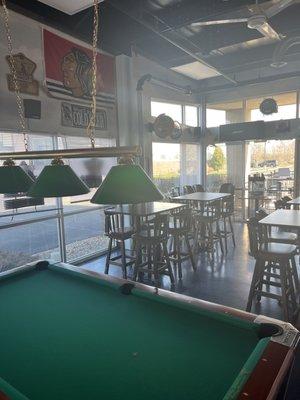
(151, 250)
(278, 236)
(175, 191)
(198, 188)
(180, 227)
(207, 228)
(116, 231)
(227, 212)
(274, 267)
(188, 189)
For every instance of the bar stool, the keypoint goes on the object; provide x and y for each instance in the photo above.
(151, 250)
(207, 228)
(116, 231)
(227, 211)
(180, 226)
(199, 188)
(280, 236)
(270, 257)
(188, 189)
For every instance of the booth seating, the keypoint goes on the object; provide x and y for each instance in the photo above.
(274, 267)
(116, 231)
(180, 226)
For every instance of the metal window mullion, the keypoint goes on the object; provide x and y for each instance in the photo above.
(202, 120)
(60, 220)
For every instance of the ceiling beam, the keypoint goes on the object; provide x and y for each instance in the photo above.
(175, 43)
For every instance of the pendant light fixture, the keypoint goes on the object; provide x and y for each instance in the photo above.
(13, 179)
(126, 183)
(58, 180)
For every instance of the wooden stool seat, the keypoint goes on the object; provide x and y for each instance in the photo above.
(121, 233)
(273, 249)
(283, 237)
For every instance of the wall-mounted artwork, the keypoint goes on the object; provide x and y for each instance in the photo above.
(68, 68)
(24, 69)
(78, 116)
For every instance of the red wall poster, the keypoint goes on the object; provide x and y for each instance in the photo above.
(68, 68)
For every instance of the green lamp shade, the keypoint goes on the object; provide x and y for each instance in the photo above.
(58, 181)
(126, 184)
(13, 179)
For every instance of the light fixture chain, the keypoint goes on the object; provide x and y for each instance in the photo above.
(12, 65)
(91, 125)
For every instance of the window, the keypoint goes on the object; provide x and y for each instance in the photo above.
(29, 242)
(175, 164)
(36, 234)
(274, 159)
(166, 165)
(286, 108)
(190, 164)
(224, 113)
(172, 110)
(191, 115)
(216, 169)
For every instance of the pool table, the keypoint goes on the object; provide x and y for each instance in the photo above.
(71, 334)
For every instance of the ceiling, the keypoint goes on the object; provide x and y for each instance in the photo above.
(166, 31)
(69, 7)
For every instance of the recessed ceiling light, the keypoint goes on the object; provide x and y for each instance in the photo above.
(196, 70)
(69, 6)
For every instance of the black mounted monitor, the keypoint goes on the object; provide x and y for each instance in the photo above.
(242, 131)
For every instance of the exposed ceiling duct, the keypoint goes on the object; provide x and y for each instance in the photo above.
(281, 50)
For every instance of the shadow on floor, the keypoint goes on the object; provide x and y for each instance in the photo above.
(228, 284)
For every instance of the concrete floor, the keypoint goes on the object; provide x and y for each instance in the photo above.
(229, 283)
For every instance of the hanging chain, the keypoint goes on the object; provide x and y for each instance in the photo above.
(12, 65)
(91, 126)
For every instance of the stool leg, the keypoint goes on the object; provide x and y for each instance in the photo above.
(232, 230)
(155, 264)
(211, 240)
(178, 254)
(225, 234)
(188, 246)
(255, 277)
(108, 256)
(295, 274)
(168, 263)
(282, 269)
(291, 286)
(123, 258)
(137, 261)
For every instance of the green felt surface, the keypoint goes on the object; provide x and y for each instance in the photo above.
(64, 338)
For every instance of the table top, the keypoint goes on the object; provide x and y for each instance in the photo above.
(203, 196)
(42, 302)
(295, 202)
(284, 218)
(146, 209)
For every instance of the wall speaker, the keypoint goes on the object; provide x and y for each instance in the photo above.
(32, 108)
